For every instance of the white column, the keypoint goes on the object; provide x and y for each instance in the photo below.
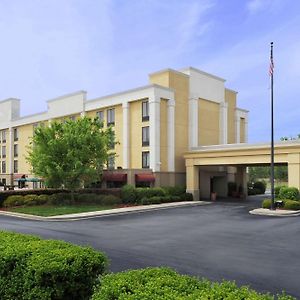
(193, 122)
(223, 122)
(125, 139)
(171, 135)
(10, 154)
(237, 128)
(154, 115)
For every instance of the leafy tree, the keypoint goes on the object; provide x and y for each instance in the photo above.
(70, 154)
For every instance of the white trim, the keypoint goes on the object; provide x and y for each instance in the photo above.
(223, 126)
(171, 135)
(10, 150)
(193, 122)
(126, 142)
(237, 128)
(154, 121)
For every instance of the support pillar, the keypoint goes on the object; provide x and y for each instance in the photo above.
(10, 155)
(171, 135)
(192, 181)
(241, 179)
(294, 170)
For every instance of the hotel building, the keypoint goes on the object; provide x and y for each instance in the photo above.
(155, 125)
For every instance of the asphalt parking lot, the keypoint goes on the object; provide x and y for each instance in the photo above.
(217, 241)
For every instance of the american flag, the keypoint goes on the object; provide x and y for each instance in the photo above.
(271, 68)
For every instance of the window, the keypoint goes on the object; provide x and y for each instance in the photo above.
(3, 151)
(100, 115)
(146, 159)
(111, 162)
(145, 136)
(3, 167)
(15, 166)
(16, 137)
(111, 116)
(16, 151)
(3, 136)
(145, 110)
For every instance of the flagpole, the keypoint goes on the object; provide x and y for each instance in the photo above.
(272, 132)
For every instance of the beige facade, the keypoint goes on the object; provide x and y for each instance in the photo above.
(154, 125)
(210, 168)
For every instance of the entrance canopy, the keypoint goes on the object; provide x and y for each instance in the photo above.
(242, 155)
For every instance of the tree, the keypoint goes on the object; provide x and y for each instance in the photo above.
(70, 154)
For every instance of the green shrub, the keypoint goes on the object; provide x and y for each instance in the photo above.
(292, 205)
(61, 199)
(260, 187)
(128, 194)
(277, 190)
(89, 198)
(42, 199)
(110, 200)
(31, 199)
(35, 269)
(252, 191)
(266, 203)
(174, 190)
(175, 199)
(164, 283)
(290, 193)
(14, 200)
(149, 193)
(155, 200)
(187, 197)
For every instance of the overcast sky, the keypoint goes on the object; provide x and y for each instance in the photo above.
(53, 47)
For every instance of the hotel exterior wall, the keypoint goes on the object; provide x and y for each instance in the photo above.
(230, 98)
(164, 135)
(209, 126)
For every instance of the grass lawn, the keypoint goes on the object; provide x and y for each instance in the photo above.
(49, 210)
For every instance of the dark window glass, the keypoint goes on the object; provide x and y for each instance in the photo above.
(146, 159)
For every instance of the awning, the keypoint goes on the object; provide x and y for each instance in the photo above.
(119, 177)
(144, 178)
(29, 179)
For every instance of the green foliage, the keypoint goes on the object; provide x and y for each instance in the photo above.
(266, 203)
(187, 197)
(290, 193)
(292, 205)
(164, 283)
(149, 193)
(260, 187)
(110, 200)
(128, 194)
(14, 200)
(61, 199)
(89, 198)
(31, 199)
(71, 153)
(174, 190)
(277, 190)
(33, 269)
(280, 173)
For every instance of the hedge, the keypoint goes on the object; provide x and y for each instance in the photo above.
(260, 187)
(61, 199)
(291, 193)
(5, 194)
(266, 203)
(292, 205)
(31, 268)
(164, 283)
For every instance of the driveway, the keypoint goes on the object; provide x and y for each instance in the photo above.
(218, 241)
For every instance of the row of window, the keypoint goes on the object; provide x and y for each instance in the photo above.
(3, 167)
(16, 151)
(15, 135)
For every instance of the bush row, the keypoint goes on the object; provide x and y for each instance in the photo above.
(284, 192)
(31, 268)
(287, 204)
(5, 194)
(164, 283)
(132, 195)
(61, 199)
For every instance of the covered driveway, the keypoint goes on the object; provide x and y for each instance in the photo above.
(215, 166)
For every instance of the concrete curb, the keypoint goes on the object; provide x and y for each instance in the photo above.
(275, 213)
(105, 213)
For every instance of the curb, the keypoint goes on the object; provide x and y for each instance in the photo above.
(275, 213)
(105, 213)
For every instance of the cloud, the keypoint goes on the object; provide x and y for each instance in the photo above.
(255, 6)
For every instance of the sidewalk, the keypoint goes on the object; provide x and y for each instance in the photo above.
(104, 213)
(275, 213)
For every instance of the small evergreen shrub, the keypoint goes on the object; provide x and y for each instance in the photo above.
(61, 199)
(174, 190)
(291, 193)
(110, 200)
(31, 199)
(292, 205)
(164, 283)
(187, 197)
(266, 203)
(128, 194)
(89, 198)
(260, 187)
(42, 199)
(277, 190)
(36, 269)
(14, 200)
